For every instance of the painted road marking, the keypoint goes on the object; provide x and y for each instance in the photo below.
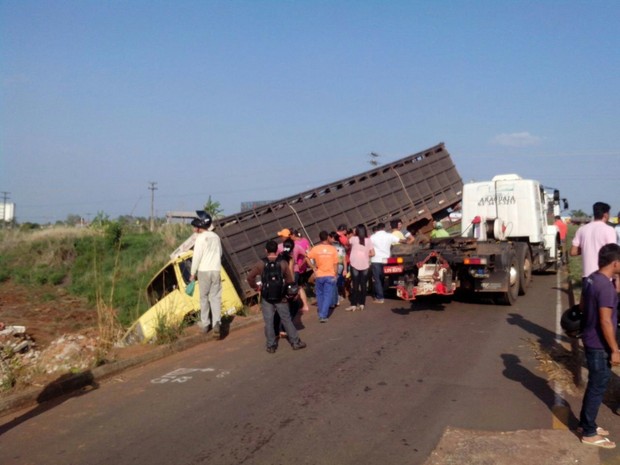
(181, 375)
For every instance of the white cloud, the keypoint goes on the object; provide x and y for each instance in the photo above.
(516, 139)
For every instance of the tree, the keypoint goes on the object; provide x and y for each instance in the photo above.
(73, 219)
(578, 214)
(100, 220)
(213, 208)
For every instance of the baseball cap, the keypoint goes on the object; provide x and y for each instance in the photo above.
(284, 233)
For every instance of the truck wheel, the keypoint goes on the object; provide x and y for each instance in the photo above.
(510, 296)
(525, 269)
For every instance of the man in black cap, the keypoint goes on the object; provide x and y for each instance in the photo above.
(207, 268)
(275, 277)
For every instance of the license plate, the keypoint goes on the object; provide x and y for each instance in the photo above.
(392, 269)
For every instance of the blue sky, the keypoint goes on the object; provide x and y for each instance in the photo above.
(257, 100)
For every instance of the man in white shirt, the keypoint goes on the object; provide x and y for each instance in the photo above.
(207, 267)
(382, 242)
(590, 237)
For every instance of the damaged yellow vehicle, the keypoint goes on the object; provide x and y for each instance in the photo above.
(171, 305)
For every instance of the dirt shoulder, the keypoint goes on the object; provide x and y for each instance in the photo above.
(47, 312)
(61, 334)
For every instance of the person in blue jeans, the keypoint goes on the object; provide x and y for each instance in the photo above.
(323, 258)
(600, 320)
(382, 242)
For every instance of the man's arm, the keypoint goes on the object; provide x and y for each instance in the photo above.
(336, 260)
(609, 333)
(576, 244)
(198, 251)
(254, 272)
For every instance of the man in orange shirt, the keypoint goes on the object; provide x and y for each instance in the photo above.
(563, 230)
(323, 258)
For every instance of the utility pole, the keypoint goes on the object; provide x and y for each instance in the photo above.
(5, 197)
(152, 188)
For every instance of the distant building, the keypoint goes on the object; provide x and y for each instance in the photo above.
(185, 217)
(7, 212)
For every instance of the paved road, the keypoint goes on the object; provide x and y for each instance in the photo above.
(378, 386)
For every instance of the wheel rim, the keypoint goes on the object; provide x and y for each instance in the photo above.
(527, 270)
(514, 276)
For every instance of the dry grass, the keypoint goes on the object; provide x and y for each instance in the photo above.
(13, 237)
(562, 366)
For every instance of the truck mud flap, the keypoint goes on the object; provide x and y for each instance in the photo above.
(495, 283)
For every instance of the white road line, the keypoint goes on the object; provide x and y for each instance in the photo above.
(560, 409)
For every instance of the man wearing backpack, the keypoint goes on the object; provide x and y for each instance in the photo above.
(275, 276)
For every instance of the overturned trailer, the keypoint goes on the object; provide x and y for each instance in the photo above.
(417, 189)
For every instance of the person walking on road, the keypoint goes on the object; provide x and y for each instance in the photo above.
(207, 268)
(361, 253)
(382, 243)
(563, 231)
(275, 277)
(600, 321)
(323, 258)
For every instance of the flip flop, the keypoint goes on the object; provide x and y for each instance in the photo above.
(604, 443)
(600, 431)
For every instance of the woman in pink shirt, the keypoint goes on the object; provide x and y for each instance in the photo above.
(361, 251)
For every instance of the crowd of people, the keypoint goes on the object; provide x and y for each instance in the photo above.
(348, 262)
(346, 265)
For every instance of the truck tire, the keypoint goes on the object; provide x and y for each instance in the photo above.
(510, 296)
(525, 268)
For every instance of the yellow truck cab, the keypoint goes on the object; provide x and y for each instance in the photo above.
(169, 302)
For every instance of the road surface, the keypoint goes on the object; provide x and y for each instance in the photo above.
(378, 386)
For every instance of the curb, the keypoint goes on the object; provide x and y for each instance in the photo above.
(71, 382)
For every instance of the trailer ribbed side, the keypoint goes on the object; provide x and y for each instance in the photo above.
(416, 189)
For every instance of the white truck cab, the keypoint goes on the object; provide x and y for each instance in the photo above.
(510, 208)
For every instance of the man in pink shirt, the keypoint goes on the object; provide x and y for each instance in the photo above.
(591, 237)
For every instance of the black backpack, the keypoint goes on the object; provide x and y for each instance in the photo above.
(273, 287)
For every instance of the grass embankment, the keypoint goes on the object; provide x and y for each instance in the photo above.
(110, 266)
(574, 263)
